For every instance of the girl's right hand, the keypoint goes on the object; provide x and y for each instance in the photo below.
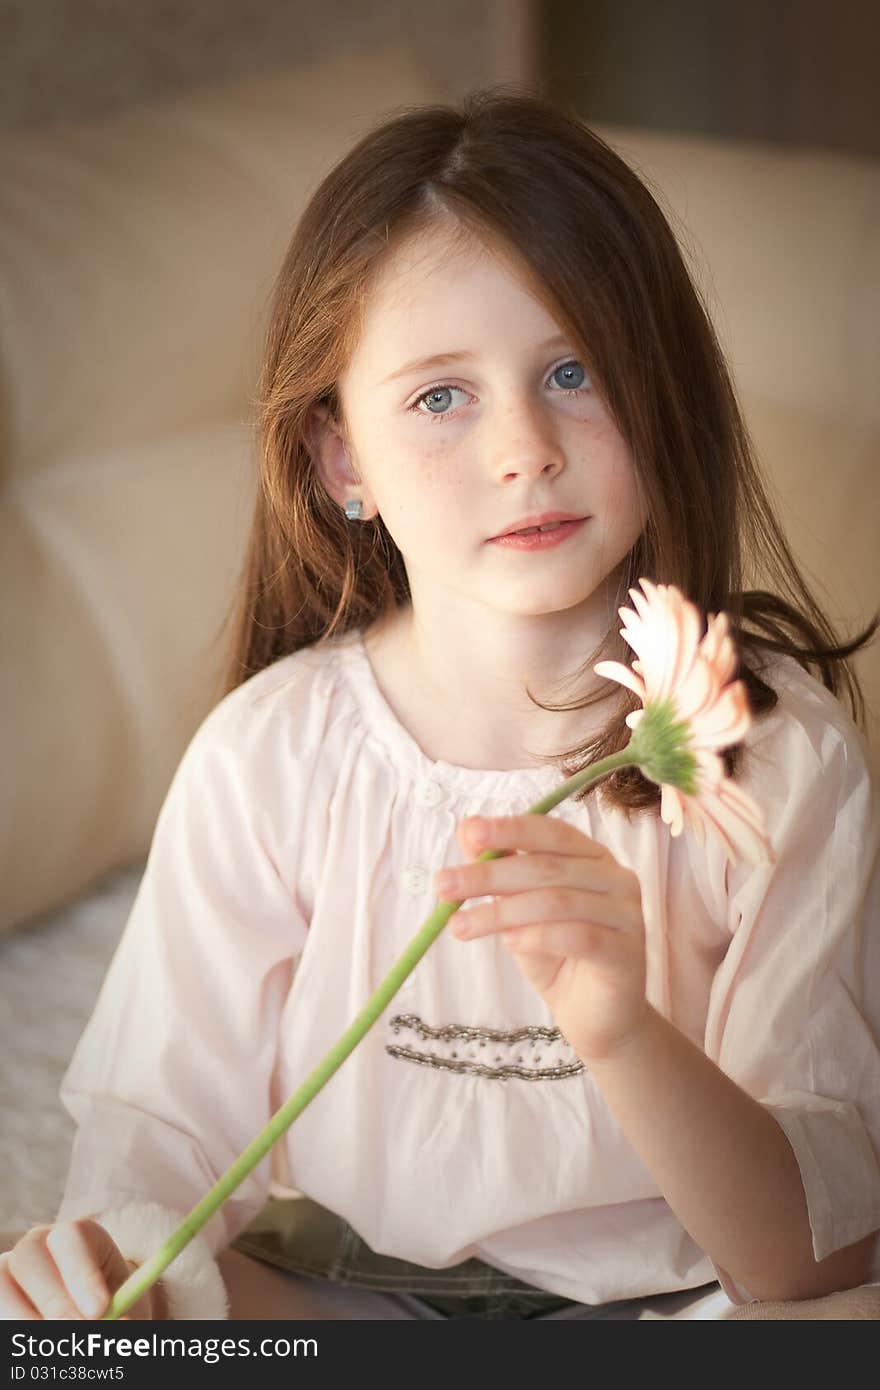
(68, 1271)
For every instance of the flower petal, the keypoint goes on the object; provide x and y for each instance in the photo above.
(745, 806)
(696, 692)
(734, 828)
(717, 647)
(711, 769)
(704, 811)
(685, 619)
(726, 721)
(671, 808)
(616, 671)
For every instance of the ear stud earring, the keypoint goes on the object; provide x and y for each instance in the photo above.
(353, 509)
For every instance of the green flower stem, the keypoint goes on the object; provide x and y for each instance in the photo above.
(141, 1279)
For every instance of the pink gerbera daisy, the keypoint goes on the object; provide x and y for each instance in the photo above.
(691, 708)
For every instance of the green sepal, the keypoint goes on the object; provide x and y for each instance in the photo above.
(661, 746)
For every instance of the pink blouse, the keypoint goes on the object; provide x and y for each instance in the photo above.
(291, 864)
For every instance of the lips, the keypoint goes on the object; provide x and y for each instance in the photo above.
(527, 523)
(540, 539)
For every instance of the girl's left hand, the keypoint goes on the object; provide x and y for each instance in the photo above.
(571, 915)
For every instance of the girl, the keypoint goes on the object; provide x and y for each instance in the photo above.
(483, 324)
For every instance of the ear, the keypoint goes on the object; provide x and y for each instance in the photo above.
(332, 460)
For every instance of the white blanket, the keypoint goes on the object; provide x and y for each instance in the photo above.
(50, 974)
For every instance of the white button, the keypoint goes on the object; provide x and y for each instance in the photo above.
(430, 793)
(416, 881)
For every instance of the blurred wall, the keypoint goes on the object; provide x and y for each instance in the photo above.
(788, 72)
(62, 60)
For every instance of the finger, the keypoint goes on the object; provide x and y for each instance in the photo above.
(14, 1303)
(548, 906)
(38, 1276)
(565, 940)
(108, 1267)
(518, 873)
(532, 831)
(81, 1254)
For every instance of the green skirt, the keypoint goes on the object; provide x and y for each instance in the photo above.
(300, 1236)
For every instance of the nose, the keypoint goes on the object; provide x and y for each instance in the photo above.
(525, 441)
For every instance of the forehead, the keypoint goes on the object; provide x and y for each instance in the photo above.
(441, 285)
(433, 250)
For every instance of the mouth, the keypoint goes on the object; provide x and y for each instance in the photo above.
(531, 530)
(551, 533)
(542, 521)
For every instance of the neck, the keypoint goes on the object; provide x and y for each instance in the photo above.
(460, 687)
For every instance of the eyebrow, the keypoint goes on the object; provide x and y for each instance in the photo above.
(421, 364)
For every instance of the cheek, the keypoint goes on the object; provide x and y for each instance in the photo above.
(423, 493)
(629, 501)
(618, 484)
(435, 481)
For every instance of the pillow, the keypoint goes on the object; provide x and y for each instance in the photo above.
(138, 258)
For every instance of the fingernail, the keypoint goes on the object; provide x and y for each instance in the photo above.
(444, 881)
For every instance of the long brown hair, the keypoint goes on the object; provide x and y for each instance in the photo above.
(569, 214)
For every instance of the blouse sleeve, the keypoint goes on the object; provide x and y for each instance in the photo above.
(794, 1012)
(172, 1076)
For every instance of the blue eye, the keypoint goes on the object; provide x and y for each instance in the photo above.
(432, 395)
(444, 388)
(571, 367)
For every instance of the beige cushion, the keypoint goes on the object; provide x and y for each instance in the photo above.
(138, 254)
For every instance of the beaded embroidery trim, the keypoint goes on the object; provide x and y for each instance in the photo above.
(489, 1052)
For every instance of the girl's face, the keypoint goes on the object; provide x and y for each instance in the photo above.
(452, 453)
